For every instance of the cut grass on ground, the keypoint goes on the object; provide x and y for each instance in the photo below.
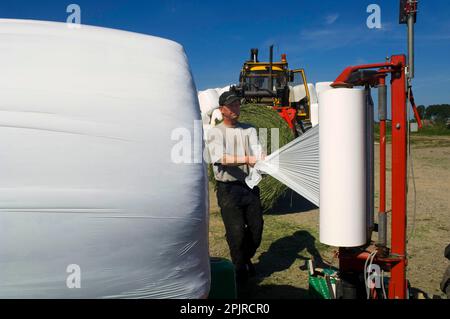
(285, 247)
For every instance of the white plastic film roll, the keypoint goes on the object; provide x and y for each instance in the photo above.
(342, 141)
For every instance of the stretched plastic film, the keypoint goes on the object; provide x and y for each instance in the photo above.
(296, 165)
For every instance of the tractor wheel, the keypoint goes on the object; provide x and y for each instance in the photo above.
(299, 129)
(302, 126)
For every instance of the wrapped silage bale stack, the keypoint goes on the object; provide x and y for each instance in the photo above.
(220, 91)
(91, 203)
(216, 117)
(323, 87)
(209, 101)
(314, 105)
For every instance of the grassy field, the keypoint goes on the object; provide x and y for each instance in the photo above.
(426, 136)
(291, 230)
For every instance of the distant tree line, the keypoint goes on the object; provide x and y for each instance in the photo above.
(438, 113)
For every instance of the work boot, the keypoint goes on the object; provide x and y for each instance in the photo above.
(241, 275)
(251, 269)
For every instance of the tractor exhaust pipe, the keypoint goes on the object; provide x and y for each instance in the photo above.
(270, 69)
(254, 55)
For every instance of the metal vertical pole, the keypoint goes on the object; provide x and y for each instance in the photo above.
(411, 17)
(270, 69)
(382, 216)
(397, 285)
(369, 164)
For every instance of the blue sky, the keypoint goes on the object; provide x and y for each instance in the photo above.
(321, 36)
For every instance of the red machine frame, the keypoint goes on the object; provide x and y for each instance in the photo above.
(395, 259)
(287, 113)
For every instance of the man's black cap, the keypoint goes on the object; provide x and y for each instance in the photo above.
(228, 98)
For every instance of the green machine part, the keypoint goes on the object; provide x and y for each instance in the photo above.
(223, 280)
(318, 287)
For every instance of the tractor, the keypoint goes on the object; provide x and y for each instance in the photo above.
(273, 84)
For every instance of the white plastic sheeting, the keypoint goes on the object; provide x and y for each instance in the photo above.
(322, 87)
(314, 114)
(209, 107)
(319, 88)
(222, 90)
(209, 101)
(216, 117)
(298, 92)
(89, 196)
(296, 165)
(342, 167)
(314, 105)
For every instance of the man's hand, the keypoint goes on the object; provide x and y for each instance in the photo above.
(229, 160)
(251, 160)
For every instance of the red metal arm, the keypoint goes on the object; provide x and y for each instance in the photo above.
(416, 112)
(342, 79)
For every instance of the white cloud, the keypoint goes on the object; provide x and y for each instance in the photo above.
(331, 18)
(333, 37)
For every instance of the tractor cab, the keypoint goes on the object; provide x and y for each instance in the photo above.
(274, 84)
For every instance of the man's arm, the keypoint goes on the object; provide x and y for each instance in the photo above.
(256, 150)
(231, 160)
(217, 151)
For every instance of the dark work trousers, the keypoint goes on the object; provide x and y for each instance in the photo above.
(241, 212)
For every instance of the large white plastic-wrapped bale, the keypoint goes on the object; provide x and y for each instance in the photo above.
(91, 204)
(319, 88)
(209, 104)
(209, 101)
(314, 105)
(298, 92)
(312, 93)
(314, 114)
(342, 149)
(220, 91)
(322, 87)
(216, 117)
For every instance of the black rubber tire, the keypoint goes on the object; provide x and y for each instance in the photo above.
(447, 252)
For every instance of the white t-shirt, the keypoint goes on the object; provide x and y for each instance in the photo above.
(240, 140)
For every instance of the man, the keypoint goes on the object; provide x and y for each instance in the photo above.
(234, 149)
